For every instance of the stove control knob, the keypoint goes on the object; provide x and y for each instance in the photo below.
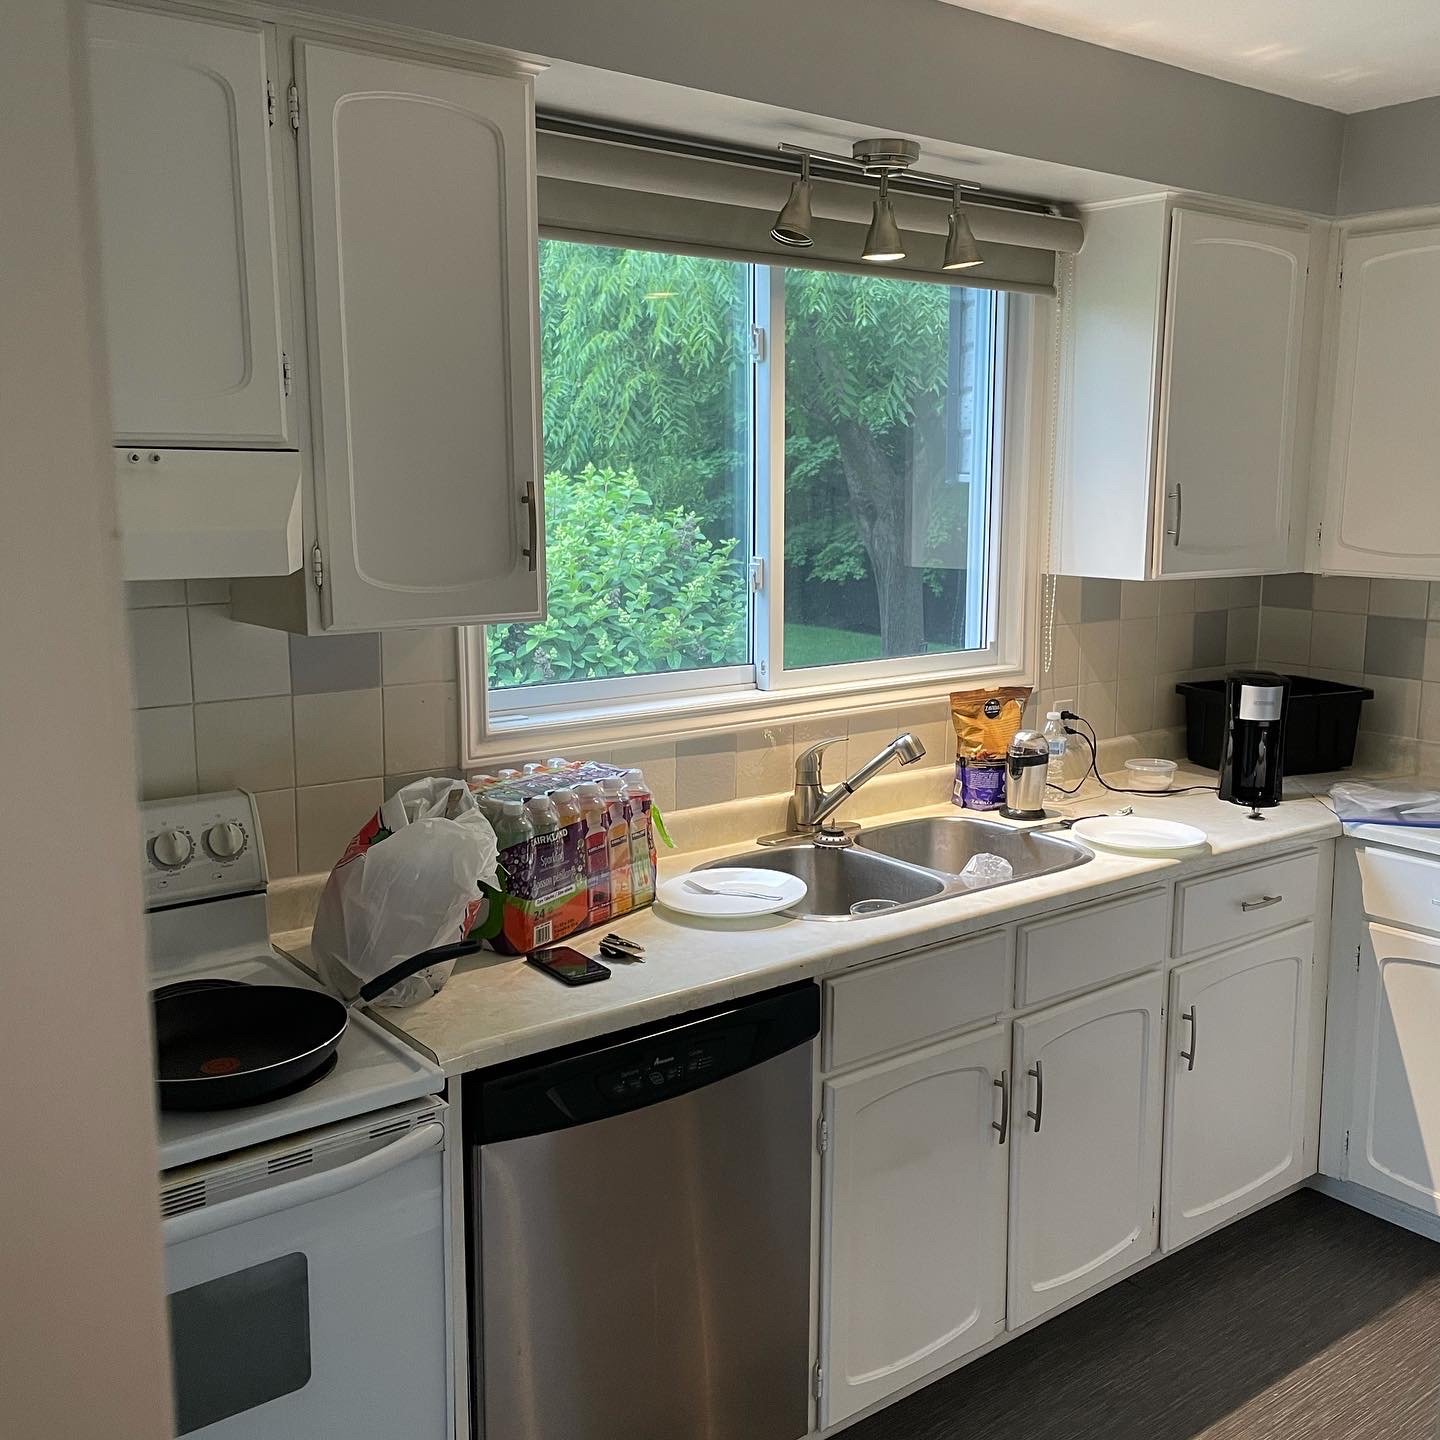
(225, 841)
(172, 849)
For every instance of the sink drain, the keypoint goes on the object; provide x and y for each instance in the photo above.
(872, 907)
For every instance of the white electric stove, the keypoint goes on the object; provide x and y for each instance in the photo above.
(306, 1236)
(205, 893)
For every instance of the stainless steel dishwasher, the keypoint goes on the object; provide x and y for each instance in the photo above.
(640, 1215)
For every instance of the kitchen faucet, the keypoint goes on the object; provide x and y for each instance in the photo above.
(811, 804)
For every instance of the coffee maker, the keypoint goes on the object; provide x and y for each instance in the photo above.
(1252, 768)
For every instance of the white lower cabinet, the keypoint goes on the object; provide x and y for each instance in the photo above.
(1394, 1129)
(913, 1240)
(1085, 1164)
(1238, 1066)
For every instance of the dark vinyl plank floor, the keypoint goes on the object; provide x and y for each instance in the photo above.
(1308, 1321)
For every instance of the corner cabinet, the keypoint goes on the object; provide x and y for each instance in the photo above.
(1183, 349)
(194, 294)
(1236, 1114)
(914, 1220)
(418, 200)
(1378, 515)
(1085, 1168)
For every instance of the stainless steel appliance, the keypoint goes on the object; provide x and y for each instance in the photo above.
(641, 1220)
(1252, 768)
(1027, 764)
(305, 1236)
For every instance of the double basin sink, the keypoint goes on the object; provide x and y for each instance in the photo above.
(913, 862)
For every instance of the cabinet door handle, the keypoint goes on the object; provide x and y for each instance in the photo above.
(1038, 1071)
(1188, 1056)
(1003, 1123)
(1262, 903)
(527, 499)
(1179, 497)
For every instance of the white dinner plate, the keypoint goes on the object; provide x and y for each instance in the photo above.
(1139, 835)
(780, 889)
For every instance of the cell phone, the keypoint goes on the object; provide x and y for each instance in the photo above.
(569, 966)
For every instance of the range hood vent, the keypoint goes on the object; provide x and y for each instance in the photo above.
(203, 514)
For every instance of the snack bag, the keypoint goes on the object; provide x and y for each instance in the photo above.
(985, 721)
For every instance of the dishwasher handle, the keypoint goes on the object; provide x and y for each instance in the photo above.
(640, 1067)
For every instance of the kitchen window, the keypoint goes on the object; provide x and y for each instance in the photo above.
(763, 486)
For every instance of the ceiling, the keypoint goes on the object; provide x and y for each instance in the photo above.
(1343, 54)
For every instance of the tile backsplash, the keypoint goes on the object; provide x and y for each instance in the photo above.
(320, 727)
(323, 727)
(1381, 633)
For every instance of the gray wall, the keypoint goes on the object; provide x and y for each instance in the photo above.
(921, 68)
(1392, 158)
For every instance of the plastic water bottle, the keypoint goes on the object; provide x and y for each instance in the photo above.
(1059, 745)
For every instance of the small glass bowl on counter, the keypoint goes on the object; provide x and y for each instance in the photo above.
(1149, 774)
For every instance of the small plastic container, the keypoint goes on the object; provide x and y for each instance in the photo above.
(1149, 774)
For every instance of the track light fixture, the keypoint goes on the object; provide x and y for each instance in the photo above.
(882, 158)
(883, 242)
(793, 223)
(961, 251)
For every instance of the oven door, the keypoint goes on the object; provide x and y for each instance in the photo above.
(313, 1300)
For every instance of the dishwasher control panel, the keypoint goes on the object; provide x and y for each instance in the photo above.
(670, 1069)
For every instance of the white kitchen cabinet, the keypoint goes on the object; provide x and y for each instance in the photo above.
(1379, 515)
(195, 304)
(1085, 1159)
(1183, 357)
(420, 226)
(1236, 1112)
(914, 1218)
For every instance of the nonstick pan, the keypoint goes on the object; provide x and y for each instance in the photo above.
(222, 1043)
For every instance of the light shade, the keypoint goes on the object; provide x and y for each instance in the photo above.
(882, 240)
(792, 224)
(961, 251)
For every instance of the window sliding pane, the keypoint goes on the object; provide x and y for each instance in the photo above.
(888, 432)
(645, 370)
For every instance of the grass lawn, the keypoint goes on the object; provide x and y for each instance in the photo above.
(822, 645)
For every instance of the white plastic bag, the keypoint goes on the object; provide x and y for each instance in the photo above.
(987, 869)
(408, 882)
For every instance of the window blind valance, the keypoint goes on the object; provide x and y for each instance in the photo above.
(624, 194)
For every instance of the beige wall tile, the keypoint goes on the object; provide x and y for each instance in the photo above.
(1213, 594)
(139, 594)
(1139, 599)
(338, 736)
(705, 770)
(277, 825)
(160, 656)
(1177, 597)
(1137, 647)
(1169, 707)
(1097, 704)
(1175, 641)
(1067, 599)
(1284, 636)
(931, 724)
(870, 732)
(1395, 710)
(1135, 705)
(165, 751)
(422, 727)
(1430, 713)
(1099, 651)
(412, 657)
(245, 743)
(1242, 636)
(328, 816)
(1432, 650)
(765, 760)
(234, 661)
(657, 759)
(1337, 640)
(1064, 670)
(1341, 592)
(1399, 597)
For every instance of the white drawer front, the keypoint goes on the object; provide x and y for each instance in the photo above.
(1404, 889)
(905, 1002)
(1241, 904)
(1085, 948)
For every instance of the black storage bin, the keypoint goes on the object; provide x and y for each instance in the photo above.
(1319, 732)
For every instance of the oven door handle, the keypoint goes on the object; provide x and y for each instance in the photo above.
(209, 1218)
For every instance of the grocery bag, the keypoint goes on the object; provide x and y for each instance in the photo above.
(415, 877)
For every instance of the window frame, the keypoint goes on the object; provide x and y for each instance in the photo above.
(631, 709)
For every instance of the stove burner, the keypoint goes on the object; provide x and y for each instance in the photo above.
(304, 1083)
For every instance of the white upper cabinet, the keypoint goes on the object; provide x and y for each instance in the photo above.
(420, 227)
(187, 219)
(1085, 1163)
(1183, 354)
(1238, 1070)
(914, 1218)
(1382, 475)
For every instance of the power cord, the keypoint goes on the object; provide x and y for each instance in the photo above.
(1093, 768)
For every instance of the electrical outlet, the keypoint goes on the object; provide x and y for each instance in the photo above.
(1063, 703)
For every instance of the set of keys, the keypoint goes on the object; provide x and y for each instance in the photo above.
(617, 947)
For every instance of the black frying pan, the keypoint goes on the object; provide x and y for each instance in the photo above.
(221, 1043)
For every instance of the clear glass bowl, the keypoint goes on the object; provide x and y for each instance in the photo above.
(1150, 774)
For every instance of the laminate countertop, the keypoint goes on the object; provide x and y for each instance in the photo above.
(497, 1008)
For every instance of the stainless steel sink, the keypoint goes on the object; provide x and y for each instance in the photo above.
(844, 884)
(947, 843)
(914, 862)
